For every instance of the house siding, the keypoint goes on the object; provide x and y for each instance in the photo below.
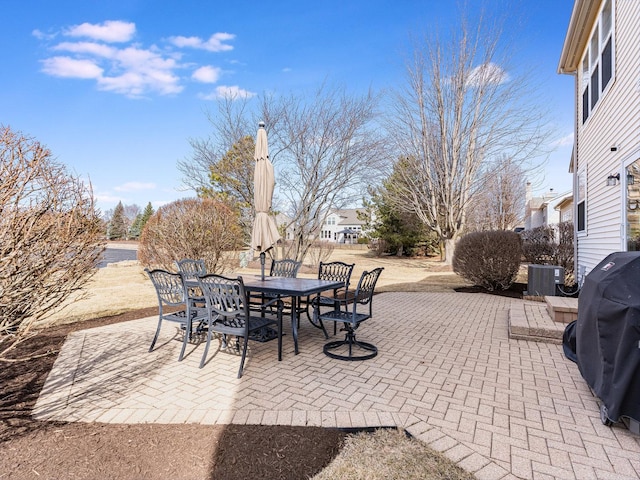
(615, 121)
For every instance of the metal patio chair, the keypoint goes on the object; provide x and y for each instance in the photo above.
(172, 293)
(336, 271)
(228, 314)
(347, 313)
(191, 269)
(287, 268)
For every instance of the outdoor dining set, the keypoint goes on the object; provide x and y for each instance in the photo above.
(236, 310)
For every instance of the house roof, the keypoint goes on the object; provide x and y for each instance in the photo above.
(583, 16)
(565, 202)
(549, 198)
(553, 201)
(348, 216)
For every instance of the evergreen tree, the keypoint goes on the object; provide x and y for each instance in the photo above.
(140, 221)
(146, 214)
(136, 229)
(117, 226)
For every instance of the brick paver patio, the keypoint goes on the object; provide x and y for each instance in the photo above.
(446, 371)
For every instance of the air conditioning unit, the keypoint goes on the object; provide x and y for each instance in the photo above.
(542, 279)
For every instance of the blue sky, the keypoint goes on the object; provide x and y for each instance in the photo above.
(117, 88)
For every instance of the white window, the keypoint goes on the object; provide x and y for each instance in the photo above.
(598, 61)
(581, 198)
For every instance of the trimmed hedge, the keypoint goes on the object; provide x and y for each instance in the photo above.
(490, 260)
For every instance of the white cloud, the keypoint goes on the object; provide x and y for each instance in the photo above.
(233, 92)
(214, 44)
(109, 31)
(40, 35)
(206, 74)
(489, 73)
(565, 141)
(107, 198)
(130, 69)
(91, 48)
(71, 68)
(192, 42)
(134, 187)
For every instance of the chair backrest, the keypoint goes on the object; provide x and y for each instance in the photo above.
(366, 286)
(169, 286)
(190, 268)
(285, 268)
(226, 298)
(336, 271)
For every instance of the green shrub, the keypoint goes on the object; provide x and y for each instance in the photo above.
(488, 259)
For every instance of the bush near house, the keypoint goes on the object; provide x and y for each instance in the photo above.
(489, 259)
(550, 245)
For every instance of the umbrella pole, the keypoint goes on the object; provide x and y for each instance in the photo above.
(262, 257)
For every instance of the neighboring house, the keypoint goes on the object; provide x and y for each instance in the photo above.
(284, 226)
(543, 211)
(565, 208)
(342, 226)
(602, 51)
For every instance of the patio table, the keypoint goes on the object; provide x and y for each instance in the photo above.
(296, 288)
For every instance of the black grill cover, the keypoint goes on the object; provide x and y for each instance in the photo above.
(608, 334)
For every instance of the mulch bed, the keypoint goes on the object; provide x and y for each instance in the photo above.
(58, 450)
(516, 290)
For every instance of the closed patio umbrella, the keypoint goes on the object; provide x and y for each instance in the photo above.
(265, 232)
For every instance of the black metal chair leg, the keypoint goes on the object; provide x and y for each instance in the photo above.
(350, 342)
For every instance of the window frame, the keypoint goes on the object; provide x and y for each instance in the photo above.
(600, 47)
(580, 214)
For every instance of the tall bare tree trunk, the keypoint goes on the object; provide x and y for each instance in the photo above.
(461, 111)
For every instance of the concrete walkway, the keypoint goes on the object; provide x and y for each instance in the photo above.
(446, 372)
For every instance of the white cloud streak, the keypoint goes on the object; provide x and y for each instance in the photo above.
(486, 74)
(134, 187)
(231, 92)
(110, 31)
(214, 44)
(90, 48)
(565, 141)
(71, 68)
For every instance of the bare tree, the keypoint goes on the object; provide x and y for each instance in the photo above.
(130, 214)
(324, 149)
(499, 204)
(51, 236)
(231, 122)
(326, 153)
(461, 109)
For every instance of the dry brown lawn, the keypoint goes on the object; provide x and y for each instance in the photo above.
(124, 286)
